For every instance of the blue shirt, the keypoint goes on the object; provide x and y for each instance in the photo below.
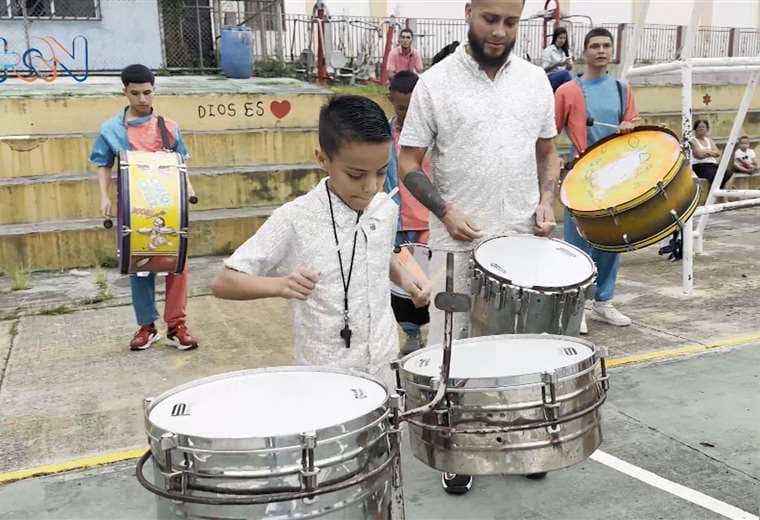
(603, 104)
(113, 138)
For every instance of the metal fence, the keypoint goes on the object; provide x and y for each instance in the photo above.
(187, 34)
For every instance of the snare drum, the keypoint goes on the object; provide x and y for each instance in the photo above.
(289, 442)
(632, 190)
(515, 404)
(527, 284)
(152, 217)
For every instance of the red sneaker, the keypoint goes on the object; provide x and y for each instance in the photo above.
(180, 338)
(144, 338)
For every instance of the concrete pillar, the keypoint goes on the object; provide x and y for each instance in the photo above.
(707, 12)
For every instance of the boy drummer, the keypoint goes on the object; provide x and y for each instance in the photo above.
(330, 251)
(137, 128)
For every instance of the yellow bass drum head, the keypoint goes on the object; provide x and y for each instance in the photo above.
(621, 169)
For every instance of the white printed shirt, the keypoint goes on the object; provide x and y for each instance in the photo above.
(299, 234)
(482, 135)
(746, 155)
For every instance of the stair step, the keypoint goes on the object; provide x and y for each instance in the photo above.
(84, 242)
(77, 195)
(24, 156)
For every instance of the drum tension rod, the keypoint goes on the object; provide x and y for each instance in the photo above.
(676, 218)
(167, 443)
(549, 398)
(604, 379)
(308, 470)
(628, 246)
(612, 213)
(661, 190)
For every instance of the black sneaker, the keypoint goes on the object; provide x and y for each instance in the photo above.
(536, 476)
(456, 484)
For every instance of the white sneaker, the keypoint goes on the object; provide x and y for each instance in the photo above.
(604, 311)
(584, 327)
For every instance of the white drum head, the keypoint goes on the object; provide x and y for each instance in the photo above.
(421, 255)
(269, 403)
(501, 357)
(529, 261)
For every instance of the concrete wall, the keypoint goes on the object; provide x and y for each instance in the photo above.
(127, 33)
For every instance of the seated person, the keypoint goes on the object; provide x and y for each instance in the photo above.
(556, 60)
(745, 160)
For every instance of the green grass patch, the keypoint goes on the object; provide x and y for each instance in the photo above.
(56, 311)
(20, 279)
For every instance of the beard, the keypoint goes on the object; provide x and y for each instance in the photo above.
(478, 52)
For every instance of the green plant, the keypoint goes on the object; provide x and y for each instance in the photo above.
(55, 311)
(273, 68)
(20, 277)
(101, 281)
(103, 259)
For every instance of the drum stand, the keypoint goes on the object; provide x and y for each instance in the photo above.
(449, 302)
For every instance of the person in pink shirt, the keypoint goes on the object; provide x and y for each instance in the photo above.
(413, 225)
(404, 57)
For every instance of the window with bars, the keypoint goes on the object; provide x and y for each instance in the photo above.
(51, 9)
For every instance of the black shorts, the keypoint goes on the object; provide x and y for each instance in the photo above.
(406, 312)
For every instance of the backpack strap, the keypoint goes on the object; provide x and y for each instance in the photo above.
(165, 142)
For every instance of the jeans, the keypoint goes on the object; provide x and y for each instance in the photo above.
(144, 298)
(607, 264)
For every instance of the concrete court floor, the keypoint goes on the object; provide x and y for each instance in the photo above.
(690, 420)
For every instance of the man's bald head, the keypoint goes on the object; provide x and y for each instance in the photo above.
(493, 29)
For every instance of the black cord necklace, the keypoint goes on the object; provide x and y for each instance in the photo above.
(345, 332)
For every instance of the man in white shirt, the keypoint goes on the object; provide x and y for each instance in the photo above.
(745, 160)
(488, 118)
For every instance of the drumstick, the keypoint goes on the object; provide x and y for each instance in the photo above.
(591, 122)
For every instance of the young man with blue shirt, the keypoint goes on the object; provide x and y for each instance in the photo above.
(606, 100)
(137, 127)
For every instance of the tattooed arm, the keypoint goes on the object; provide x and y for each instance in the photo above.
(419, 185)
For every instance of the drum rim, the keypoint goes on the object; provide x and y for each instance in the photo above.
(283, 442)
(504, 382)
(536, 288)
(636, 201)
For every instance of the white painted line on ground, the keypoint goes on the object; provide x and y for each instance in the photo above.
(688, 494)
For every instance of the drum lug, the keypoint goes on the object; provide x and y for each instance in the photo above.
(549, 398)
(477, 282)
(612, 213)
(661, 190)
(396, 367)
(125, 231)
(168, 442)
(309, 471)
(604, 379)
(628, 246)
(503, 288)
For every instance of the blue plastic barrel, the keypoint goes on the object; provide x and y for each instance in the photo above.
(237, 52)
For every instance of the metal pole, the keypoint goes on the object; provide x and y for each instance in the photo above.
(727, 155)
(200, 33)
(632, 49)
(687, 269)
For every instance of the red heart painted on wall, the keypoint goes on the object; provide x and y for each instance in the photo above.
(280, 108)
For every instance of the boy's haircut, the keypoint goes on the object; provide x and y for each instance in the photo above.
(744, 137)
(407, 30)
(137, 74)
(597, 31)
(404, 82)
(351, 119)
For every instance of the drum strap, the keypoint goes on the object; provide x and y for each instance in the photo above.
(164, 134)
